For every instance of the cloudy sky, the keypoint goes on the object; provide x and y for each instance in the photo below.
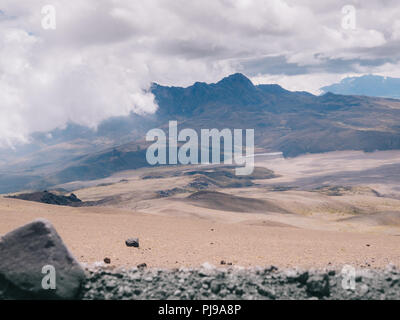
(104, 54)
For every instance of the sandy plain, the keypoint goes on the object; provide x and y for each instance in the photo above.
(322, 210)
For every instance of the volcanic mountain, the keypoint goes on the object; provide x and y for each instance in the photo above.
(291, 122)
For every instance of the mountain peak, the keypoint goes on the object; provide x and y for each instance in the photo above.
(236, 79)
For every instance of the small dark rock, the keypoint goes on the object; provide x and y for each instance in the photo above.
(223, 262)
(215, 287)
(142, 266)
(132, 242)
(239, 291)
(271, 269)
(107, 260)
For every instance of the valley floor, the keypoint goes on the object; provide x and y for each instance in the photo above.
(94, 233)
(322, 210)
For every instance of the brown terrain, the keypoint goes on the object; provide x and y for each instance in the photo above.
(310, 211)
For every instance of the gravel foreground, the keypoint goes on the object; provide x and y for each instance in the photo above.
(237, 283)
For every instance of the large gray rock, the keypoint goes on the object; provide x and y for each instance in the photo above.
(23, 254)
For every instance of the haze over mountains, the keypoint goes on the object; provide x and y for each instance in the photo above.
(367, 85)
(291, 122)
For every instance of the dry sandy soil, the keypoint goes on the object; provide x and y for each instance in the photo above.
(330, 209)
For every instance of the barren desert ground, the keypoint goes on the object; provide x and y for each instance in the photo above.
(315, 211)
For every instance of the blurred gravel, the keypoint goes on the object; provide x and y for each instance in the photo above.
(237, 283)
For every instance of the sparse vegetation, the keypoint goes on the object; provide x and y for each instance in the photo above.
(346, 190)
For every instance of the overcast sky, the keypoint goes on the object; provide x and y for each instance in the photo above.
(104, 54)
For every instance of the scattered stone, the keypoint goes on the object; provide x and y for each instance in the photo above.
(207, 266)
(107, 260)
(291, 275)
(363, 290)
(390, 267)
(302, 277)
(395, 280)
(177, 293)
(266, 292)
(215, 287)
(30, 250)
(318, 285)
(132, 242)
(223, 262)
(206, 269)
(231, 286)
(239, 291)
(111, 284)
(271, 269)
(142, 266)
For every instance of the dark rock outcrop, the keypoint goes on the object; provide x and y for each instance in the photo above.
(50, 198)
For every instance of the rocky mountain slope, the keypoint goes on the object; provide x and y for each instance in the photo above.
(291, 122)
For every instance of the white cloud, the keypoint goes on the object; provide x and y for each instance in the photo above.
(104, 54)
(396, 30)
(302, 82)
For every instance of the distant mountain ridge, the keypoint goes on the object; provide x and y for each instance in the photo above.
(235, 91)
(291, 122)
(367, 85)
